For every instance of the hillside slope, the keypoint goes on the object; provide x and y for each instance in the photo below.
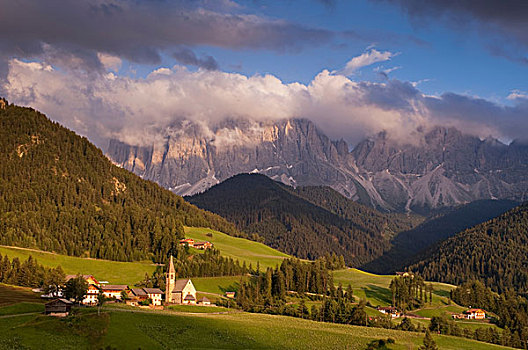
(243, 250)
(58, 192)
(407, 244)
(494, 252)
(305, 228)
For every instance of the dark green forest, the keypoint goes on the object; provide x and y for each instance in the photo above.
(307, 222)
(58, 192)
(494, 252)
(407, 244)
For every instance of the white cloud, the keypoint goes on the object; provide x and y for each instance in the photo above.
(365, 59)
(141, 110)
(110, 62)
(517, 94)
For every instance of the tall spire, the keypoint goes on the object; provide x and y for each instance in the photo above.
(169, 285)
(171, 266)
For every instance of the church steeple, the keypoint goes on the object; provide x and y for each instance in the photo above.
(169, 284)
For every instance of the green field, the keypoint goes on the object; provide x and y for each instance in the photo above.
(123, 329)
(217, 285)
(375, 288)
(198, 309)
(115, 272)
(238, 248)
(12, 295)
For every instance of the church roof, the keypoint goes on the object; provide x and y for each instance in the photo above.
(180, 284)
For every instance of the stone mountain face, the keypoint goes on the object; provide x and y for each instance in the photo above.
(443, 168)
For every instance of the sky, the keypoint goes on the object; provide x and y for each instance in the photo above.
(128, 69)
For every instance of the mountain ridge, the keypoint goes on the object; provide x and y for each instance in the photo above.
(444, 168)
(287, 221)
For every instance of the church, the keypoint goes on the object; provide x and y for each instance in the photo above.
(180, 291)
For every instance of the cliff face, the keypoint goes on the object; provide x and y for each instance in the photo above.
(444, 167)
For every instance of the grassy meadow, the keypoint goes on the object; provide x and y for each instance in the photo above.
(13, 295)
(115, 272)
(218, 285)
(238, 248)
(375, 288)
(123, 329)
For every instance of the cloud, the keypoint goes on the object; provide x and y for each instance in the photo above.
(505, 20)
(188, 57)
(142, 110)
(110, 62)
(365, 59)
(138, 30)
(517, 94)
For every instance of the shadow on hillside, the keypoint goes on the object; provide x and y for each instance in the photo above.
(441, 293)
(231, 288)
(376, 292)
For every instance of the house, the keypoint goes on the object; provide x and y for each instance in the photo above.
(92, 294)
(188, 241)
(93, 289)
(136, 296)
(475, 314)
(154, 294)
(58, 307)
(204, 301)
(178, 291)
(390, 310)
(202, 245)
(113, 290)
(230, 295)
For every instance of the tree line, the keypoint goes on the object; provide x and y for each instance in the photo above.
(29, 273)
(410, 292)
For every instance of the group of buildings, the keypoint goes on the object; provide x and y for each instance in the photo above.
(195, 244)
(471, 314)
(177, 291)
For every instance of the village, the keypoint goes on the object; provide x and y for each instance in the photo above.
(177, 291)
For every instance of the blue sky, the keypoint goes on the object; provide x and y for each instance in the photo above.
(446, 59)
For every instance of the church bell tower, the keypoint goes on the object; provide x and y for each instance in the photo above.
(169, 284)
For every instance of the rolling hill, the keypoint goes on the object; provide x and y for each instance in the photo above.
(58, 192)
(306, 223)
(241, 249)
(494, 252)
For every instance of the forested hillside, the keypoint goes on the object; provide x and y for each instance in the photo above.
(494, 252)
(408, 244)
(307, 222)
(58, 192)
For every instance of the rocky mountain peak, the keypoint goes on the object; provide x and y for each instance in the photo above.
(441, 167)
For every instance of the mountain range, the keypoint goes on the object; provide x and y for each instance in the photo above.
(441, 167)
